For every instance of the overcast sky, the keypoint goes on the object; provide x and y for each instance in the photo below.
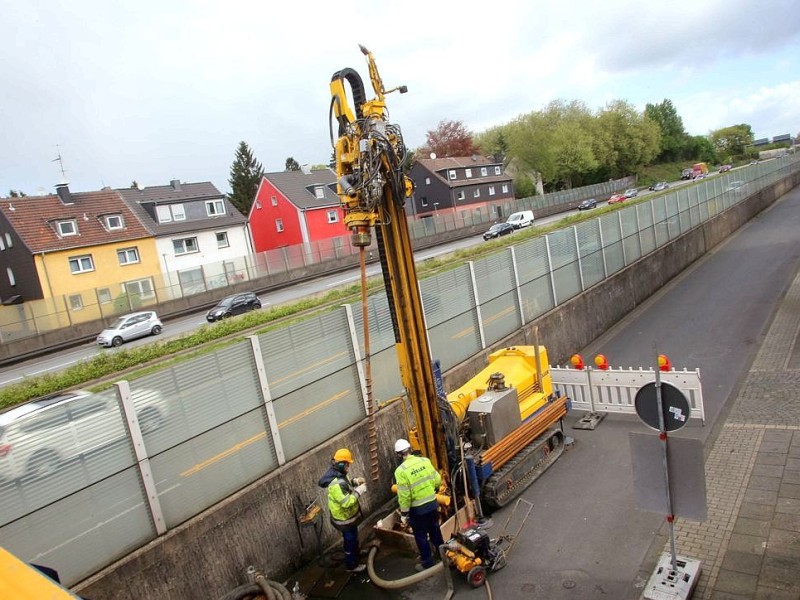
(159, 90)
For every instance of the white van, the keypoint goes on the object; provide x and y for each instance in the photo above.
(521, 219)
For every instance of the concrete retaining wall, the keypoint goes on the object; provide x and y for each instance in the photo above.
(208, 555)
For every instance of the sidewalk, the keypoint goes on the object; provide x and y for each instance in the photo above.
(750, 543)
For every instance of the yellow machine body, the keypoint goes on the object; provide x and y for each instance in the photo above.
(522, 367)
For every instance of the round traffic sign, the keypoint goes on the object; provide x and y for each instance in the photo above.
(673, 402)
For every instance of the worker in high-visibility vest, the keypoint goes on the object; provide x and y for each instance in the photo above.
(417, 482)
(345, 511)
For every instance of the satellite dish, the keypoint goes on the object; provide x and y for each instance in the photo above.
(433, 155)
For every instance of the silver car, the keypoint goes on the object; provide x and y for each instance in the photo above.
(39, 436)
(129, 327)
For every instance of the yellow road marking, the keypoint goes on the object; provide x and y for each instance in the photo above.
(224, 454)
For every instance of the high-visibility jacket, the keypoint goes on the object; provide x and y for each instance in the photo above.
(343, 502)
(417, 482)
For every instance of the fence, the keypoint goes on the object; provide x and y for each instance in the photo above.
(145, 456)
(40, 316)
(614, 390)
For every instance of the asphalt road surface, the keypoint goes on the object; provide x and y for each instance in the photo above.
(585, 538)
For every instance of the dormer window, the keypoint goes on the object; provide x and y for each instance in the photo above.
(215, 208)
(452, 173)
(468, 173)
(167, 213)
(67, 228)
(497, 171)
(484, 172)
(319, 192)
(113, 222)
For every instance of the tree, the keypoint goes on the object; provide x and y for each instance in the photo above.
(731, 141)
(134, 184)
(674, 139)
(449, 139)
(16, 194)
(292, 164)
(246, 174)
(634, 138)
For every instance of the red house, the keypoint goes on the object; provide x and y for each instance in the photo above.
(295, 207)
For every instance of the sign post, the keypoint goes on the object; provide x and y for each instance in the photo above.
(664, 407)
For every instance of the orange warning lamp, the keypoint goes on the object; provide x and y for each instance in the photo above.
(577, 361)
(663, 362)
(601, 362)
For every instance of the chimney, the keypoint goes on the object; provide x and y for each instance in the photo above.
(176, 184)
(306, 169)
(62, 189)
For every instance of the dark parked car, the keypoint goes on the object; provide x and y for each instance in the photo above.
(657, 187)
(234, 305)
(587, 204)
(497, 230)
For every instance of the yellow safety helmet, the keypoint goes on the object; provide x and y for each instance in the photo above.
(343, 455)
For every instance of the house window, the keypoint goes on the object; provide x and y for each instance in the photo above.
(491, 190)
(476, 193)
(274, 201)
(333, 216)
(222, 239)
(9, 241)
(167, 213)
(423, 201)
(505, 188)
(460, 195)
(427, 181)
(279, 225)
(128, 256)
(215, 208)
(76, 302)
(468, 173)
(497, 171)
(319, 192)
(484, 172)
(185, 245)
(81, 264)
(11, 279)
(113, 222)
(104, 295)
(67, 228)
(2, 244)
(452, 174)
(143, 288)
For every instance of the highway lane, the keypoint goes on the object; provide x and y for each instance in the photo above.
(62, 359)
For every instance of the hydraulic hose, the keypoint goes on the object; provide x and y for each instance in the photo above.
(243, 591)
(272, 589)
(396, 584)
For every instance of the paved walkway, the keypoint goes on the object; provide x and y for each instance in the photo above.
(750, 543)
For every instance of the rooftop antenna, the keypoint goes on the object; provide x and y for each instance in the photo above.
(60, 162)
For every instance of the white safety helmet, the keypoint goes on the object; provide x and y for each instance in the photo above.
(401, 445)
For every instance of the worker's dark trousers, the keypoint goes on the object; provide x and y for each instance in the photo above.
(351, 551)
(426, 527)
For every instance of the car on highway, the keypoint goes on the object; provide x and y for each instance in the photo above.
(39, 436)
(588, 204)
(631, 193)
(129, 327)
(235, 304)
(658, 186)
(497, 230)
(724, 168)
(617, 198)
